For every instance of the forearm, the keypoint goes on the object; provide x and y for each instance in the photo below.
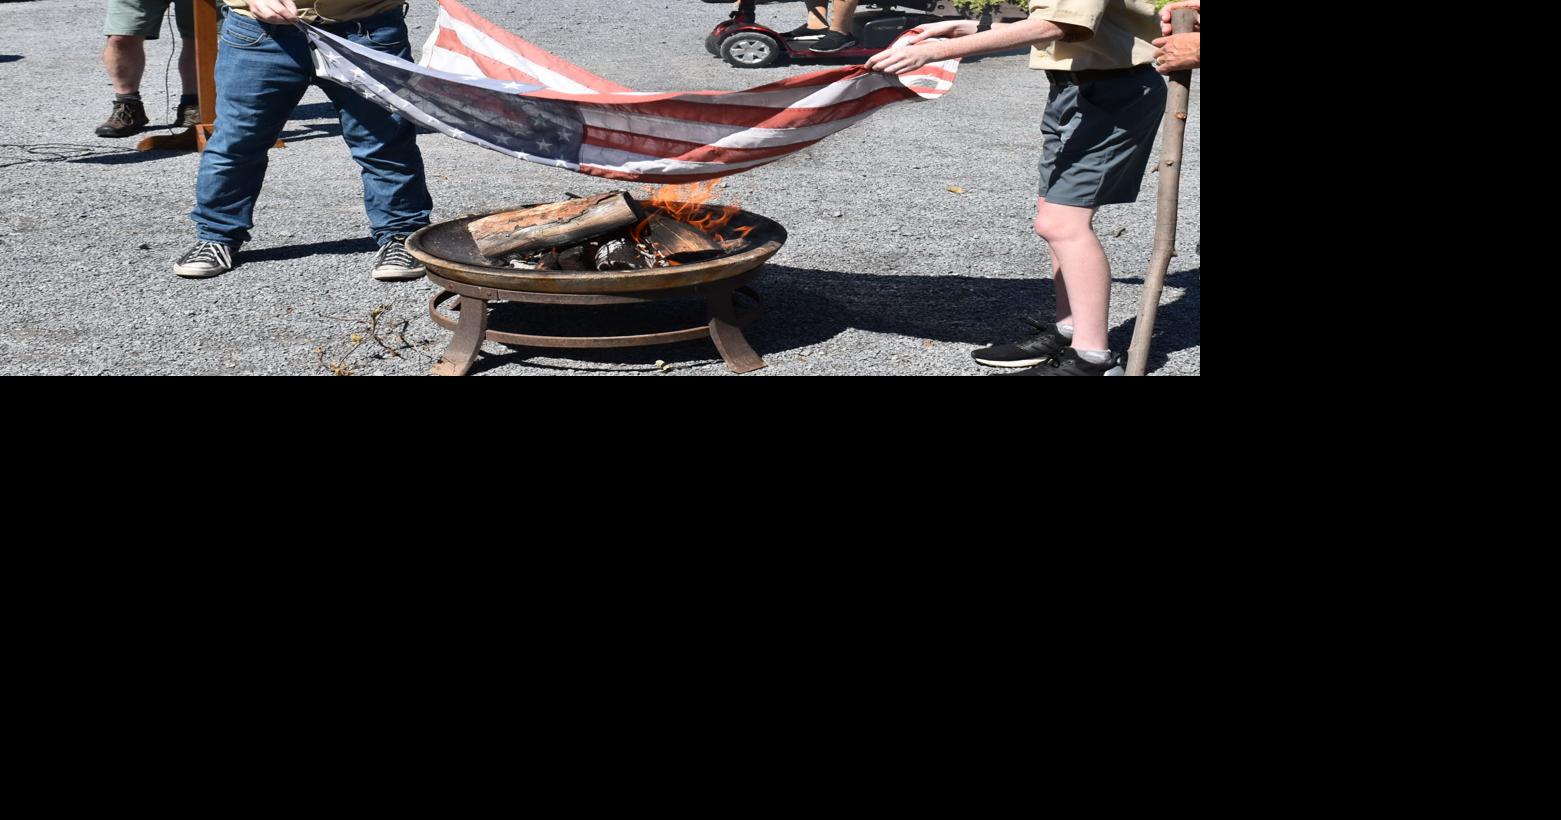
(1002, 37)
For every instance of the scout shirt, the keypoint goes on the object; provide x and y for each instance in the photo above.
(1104, 34)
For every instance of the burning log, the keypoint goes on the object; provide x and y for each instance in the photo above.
(555, 225)
(673, 237)
(595, 234)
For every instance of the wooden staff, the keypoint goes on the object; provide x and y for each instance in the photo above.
(1170, 197)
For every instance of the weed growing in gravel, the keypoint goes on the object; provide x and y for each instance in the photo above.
(371, 331)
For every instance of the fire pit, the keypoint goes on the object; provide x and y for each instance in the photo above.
(460, 270)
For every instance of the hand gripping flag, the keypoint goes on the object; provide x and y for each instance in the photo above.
(480, 84)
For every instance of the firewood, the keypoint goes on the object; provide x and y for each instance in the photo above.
(674, 237)
(619, 254)
(554, 225)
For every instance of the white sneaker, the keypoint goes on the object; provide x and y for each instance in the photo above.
(395, 264)
(204, 260)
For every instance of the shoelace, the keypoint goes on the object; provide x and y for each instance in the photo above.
(122, 115)
(395, 254)
(209, 252)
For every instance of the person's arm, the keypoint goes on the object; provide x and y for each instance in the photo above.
(275, 12)
(967, 42)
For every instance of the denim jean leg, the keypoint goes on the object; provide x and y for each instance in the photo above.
(261, 78)
(395, 187)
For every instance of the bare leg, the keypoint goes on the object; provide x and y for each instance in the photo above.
(187, 67)
(1084, 273)
(818, 14)
(125, 59)
(1064, 307)
(841, 19)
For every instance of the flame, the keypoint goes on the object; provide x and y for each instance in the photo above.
(690, 203)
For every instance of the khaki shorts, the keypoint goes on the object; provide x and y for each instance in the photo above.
(144, 18)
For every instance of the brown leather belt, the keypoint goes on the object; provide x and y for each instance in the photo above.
(1077, 77)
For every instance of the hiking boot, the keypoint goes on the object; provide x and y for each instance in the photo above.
(127, 119)
(188, 116)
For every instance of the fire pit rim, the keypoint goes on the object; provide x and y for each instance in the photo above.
(648, 279)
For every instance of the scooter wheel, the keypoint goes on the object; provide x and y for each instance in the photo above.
(751, 50)
(713, 44)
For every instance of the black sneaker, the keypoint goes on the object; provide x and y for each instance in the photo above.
(395, 263)
(188, 115)
(127, 119)
(205, 260)
(831, 42)
(1040, 345)
(803, 32)
(1069, 364)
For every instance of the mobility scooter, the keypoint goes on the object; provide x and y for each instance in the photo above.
(746, 44)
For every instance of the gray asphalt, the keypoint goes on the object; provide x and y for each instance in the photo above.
(886, 271)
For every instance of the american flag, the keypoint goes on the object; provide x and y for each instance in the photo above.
(483, 85)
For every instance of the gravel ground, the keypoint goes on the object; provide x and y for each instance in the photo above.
(886, 271)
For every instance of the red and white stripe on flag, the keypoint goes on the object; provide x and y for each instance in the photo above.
(677, 137)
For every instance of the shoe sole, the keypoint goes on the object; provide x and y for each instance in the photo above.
(832, 50)
(400, 276)
(1020, 363)
(198, 273)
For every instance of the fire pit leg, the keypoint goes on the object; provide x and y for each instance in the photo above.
(462, 353)
(726, 331)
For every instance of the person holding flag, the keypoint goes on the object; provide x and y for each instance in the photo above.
(264, 66)
(1102, 113)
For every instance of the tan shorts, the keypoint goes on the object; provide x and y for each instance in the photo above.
(144, 18)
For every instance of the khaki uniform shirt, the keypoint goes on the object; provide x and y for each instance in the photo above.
(331, 11)
(1113, 34)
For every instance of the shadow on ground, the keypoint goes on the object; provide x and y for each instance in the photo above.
(806, 307)
(337, 247)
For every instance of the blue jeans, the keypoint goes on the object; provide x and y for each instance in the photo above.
(262, 74)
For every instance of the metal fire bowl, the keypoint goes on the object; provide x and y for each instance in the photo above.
(448, 251)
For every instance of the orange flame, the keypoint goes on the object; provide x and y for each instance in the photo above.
(690, 203)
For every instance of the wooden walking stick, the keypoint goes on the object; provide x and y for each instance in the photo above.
(1175, 135)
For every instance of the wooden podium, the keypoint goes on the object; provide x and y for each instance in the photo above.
(194, 139)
